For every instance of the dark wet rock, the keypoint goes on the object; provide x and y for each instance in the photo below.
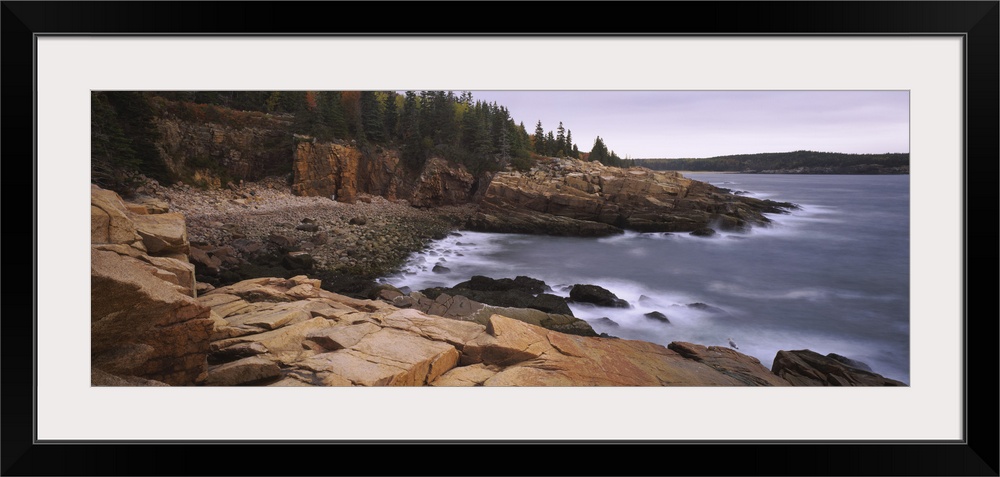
(655, 315)
(645, 300)
(596, 295)
(440, 269)
(297, 260)
(358, 221)
(703, 232)
(606, 322)
(510, 297)
(523, 283)
(809, 368)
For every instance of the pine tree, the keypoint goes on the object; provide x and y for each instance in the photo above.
(570, 147)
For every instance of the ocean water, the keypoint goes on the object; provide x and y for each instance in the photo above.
(832, 277)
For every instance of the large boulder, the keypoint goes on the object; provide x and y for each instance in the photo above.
(163, 233)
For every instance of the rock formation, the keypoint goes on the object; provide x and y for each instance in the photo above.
(343, 171)
(150, 327)
(145, 322)
(809, 368)
(572, 197)
(238, 145)
(292, 333)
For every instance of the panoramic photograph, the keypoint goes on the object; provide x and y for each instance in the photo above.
(500, 238)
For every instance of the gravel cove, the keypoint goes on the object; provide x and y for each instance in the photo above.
(369, 238)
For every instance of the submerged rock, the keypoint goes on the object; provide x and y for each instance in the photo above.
(596, 295)
(607, 322)
(655, 315)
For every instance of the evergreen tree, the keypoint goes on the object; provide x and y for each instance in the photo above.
(412, 153)
(539, 138)
(372, 121)
(570, 147)
(599, 153)
(483, 152)
(504, 154)
(331, 112)
(550, 144)
(561, 140)
(391, 115)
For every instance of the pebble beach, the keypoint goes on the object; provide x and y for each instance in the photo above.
(366, 239)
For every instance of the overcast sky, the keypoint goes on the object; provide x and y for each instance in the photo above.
(648, 124)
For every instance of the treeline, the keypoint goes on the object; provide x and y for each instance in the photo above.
(420, 124)
(796, 161)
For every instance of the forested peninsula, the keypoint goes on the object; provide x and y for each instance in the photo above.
(236, 236)
(796, 162)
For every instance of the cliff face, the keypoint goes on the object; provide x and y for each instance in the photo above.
(572, 197)
(341, 171)
(209, 152)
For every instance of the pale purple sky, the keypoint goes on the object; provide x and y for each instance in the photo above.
(648, 124)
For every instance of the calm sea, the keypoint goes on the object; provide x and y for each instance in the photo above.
(832, 277)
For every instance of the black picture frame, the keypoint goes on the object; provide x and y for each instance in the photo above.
(977, 22)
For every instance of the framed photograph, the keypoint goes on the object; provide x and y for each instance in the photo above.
(940, 57)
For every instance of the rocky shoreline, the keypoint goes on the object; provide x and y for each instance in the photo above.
(153, 323)
(248, 231)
